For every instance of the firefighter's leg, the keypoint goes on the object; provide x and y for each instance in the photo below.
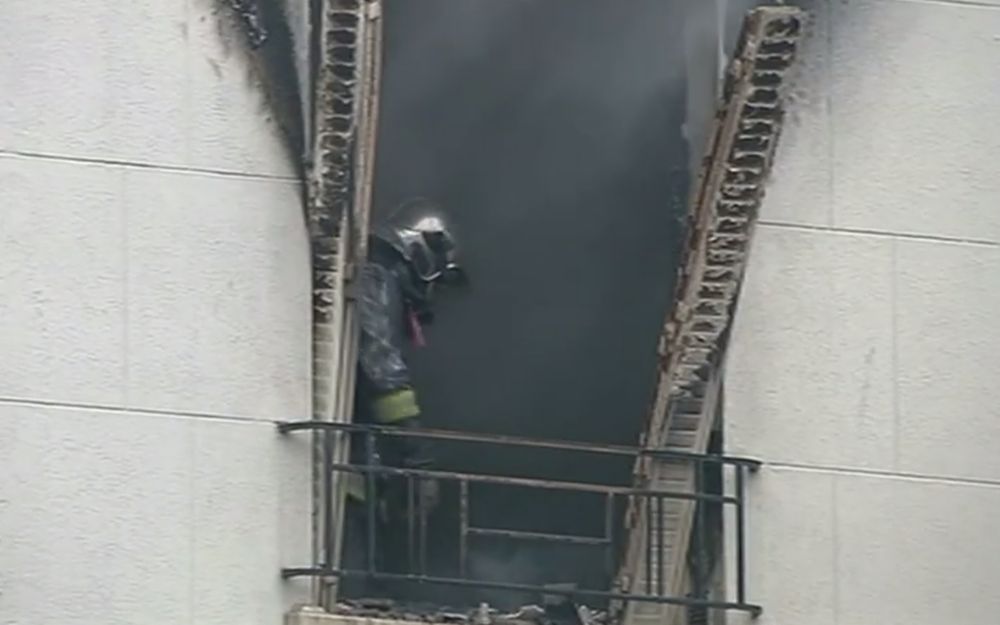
(408, 499)
(399, 409)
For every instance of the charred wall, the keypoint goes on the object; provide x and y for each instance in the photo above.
(277, 38)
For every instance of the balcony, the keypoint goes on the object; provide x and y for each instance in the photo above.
(590, 594)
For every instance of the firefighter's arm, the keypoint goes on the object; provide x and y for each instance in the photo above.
(380, 311)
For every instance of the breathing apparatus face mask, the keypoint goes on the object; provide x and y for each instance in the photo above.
(447, 269)
(420, 234)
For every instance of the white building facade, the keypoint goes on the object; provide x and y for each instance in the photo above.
(862, 368)
(155, 320)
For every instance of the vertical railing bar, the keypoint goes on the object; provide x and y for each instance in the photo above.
(609, 534)
(660, 567)
(370, 503)
(740, 537)
(329, 540)
(411, 526)
(648, 507)
(463, 526)
(423, 536)
(700, 510)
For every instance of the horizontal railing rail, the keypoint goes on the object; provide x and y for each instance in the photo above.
(371, 471)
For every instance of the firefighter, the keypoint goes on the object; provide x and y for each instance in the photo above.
(409, 254)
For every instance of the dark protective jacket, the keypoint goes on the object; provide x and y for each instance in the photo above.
(388, 297)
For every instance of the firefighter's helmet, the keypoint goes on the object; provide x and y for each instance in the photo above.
(418, 230)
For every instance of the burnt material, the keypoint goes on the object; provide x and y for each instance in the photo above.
(265, 27)
(346, 71)
(723, 211)
(253, 23)
(337, 110)
(720, 225)
(483, 614)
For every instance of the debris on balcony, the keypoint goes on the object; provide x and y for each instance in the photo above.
(559, 613)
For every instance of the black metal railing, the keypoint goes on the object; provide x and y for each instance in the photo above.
(652, 503)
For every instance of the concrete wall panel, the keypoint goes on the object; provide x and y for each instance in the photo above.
(96, 517)
(912, 84)
(61, 275)
(189, 269)
(238, 518)
(116, 517)
(916, 551)
(218, 289)
(809, 374)
(948, 355)
(800, 586)
(177, 90)
(82, 89)
(852, 549)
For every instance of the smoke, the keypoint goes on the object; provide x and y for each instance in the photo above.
(567, 72)
(517, 565)
(537, 564)
(551, 130)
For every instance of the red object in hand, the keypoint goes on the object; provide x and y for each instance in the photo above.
(416, 331)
